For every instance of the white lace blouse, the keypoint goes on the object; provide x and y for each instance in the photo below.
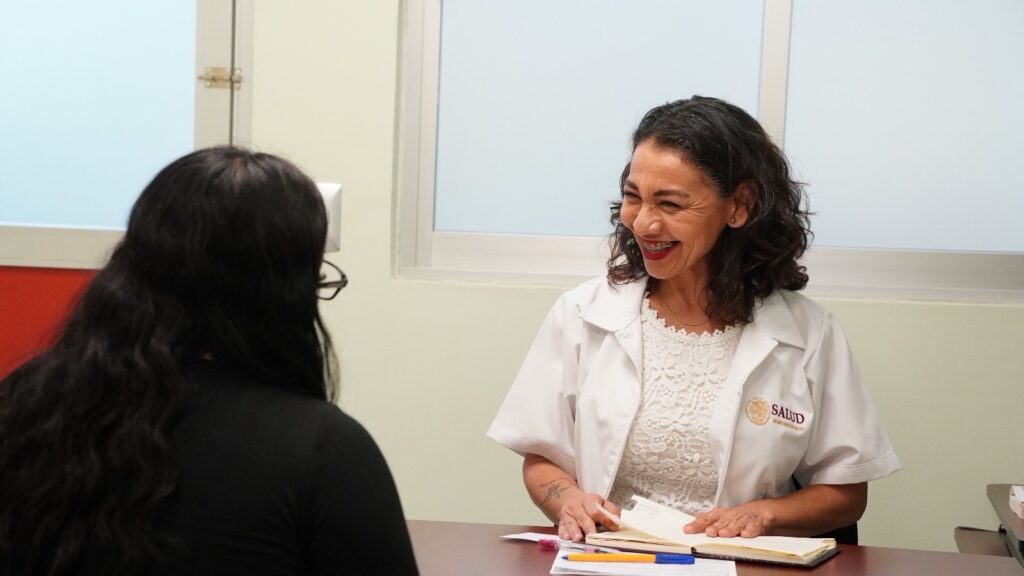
(667, 457)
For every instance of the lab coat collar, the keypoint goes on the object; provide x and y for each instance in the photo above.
(773, 320)
(616, 306)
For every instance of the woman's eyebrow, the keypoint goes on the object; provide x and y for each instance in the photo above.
(629, 185)
(672, 192)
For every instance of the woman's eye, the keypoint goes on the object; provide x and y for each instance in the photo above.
(670, 206)
(631, 196)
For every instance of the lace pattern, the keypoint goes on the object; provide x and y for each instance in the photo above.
(667, 457)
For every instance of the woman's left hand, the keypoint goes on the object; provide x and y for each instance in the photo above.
(808, 511)
(746, 521)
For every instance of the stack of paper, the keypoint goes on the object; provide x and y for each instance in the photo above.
(700, 567)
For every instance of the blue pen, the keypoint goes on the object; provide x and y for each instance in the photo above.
(673, 559)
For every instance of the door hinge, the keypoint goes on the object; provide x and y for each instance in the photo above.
(220, 77)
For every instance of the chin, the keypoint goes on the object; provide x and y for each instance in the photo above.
(658, 272)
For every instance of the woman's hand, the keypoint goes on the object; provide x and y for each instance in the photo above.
(808, 511)
(747, 521)
(555, 492)
(581, 514)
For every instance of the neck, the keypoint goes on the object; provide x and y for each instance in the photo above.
(682, 304)
(683, 296)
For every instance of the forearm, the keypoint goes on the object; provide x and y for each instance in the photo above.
(815, 509)
(807, 512)
(549, 486)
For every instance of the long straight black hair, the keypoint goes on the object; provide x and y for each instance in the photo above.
(220, 260)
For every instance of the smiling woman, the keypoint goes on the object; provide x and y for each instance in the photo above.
(672, 209)
(636, 383)
(706, 186)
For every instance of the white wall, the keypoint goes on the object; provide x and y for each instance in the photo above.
(426, 364)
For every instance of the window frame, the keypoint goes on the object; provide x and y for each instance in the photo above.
(565, 260)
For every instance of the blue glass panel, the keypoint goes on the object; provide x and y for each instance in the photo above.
(905, 118)
(96, 97)
(538, 98)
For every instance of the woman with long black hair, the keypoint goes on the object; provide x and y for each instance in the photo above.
(182, 421)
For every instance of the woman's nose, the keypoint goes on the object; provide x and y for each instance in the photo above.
(646, 223)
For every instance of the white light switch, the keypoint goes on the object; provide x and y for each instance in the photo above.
(332, 200)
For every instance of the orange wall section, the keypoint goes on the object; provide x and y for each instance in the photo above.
(33, 304)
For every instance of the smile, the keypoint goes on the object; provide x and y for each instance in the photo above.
(655, 250)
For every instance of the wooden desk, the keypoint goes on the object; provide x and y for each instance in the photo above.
(464, 549)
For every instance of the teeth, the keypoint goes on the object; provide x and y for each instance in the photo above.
(657, 246)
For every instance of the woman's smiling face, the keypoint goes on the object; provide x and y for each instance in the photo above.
(674, 211)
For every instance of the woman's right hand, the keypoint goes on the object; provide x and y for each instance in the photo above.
(556, 493)
(581, 515)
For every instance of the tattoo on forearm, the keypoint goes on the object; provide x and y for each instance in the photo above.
(554, 489)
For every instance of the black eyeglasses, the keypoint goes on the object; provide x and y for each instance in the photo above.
(331, 282)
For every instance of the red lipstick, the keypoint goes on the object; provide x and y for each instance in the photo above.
(655, 250)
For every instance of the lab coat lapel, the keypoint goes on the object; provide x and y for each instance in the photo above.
(773, 323)
(632, 344)
(627, 393)
(616, 311)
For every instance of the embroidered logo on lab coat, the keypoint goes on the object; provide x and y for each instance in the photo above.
(760, 412)
(757, 411)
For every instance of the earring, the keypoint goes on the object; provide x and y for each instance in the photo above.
(732, 220)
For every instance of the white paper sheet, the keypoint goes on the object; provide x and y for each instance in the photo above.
(533, 536)
(701, 567)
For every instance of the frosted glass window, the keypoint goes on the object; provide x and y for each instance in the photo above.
(905, 118)
(97, 96)
(537, 100)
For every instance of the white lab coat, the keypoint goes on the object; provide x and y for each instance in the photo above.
(792, 405)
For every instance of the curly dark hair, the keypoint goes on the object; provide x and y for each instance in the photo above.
(221, 258)
(747, 263)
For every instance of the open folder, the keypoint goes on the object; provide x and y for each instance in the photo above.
(651, 527)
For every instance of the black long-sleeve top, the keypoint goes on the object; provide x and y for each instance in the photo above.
(275, 483)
